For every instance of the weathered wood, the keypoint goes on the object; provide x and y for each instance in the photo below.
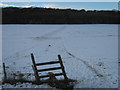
(5, 75)
(63, 69)
(44, 76)
(46, 63)
(48, 69)
(36, 72)
(35, 68)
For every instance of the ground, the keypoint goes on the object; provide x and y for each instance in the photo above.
(89, 52)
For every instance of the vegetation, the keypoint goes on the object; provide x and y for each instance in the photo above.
(34, 15)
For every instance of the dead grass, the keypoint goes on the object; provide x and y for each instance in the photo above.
(61, 84)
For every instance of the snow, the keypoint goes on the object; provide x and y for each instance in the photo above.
(26, 85)
(89, 52)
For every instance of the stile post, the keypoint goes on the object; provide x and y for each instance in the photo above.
(63, 69)
(35, 68)
(5, 76)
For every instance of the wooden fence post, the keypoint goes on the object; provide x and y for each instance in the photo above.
(63, 69)
(4, 71)
(35, 68)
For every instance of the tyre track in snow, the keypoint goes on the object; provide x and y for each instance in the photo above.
(49, 35)
(54, 32)
(86, 63)
(13, 56)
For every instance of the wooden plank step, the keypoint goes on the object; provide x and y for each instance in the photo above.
(52, 62)
(48, 69)
(44, 76)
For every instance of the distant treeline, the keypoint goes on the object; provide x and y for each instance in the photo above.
(34, 15)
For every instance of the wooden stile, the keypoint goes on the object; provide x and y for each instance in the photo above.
(56, 74)
(35, 68)
(46, 63)
(48, 69)
(63, 69)
(5, 75)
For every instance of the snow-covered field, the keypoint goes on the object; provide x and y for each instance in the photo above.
(89, 52)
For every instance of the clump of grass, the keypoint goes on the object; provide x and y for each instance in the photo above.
(65, 84)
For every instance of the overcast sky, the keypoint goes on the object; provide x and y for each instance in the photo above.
(63, 5)
(59, 0)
